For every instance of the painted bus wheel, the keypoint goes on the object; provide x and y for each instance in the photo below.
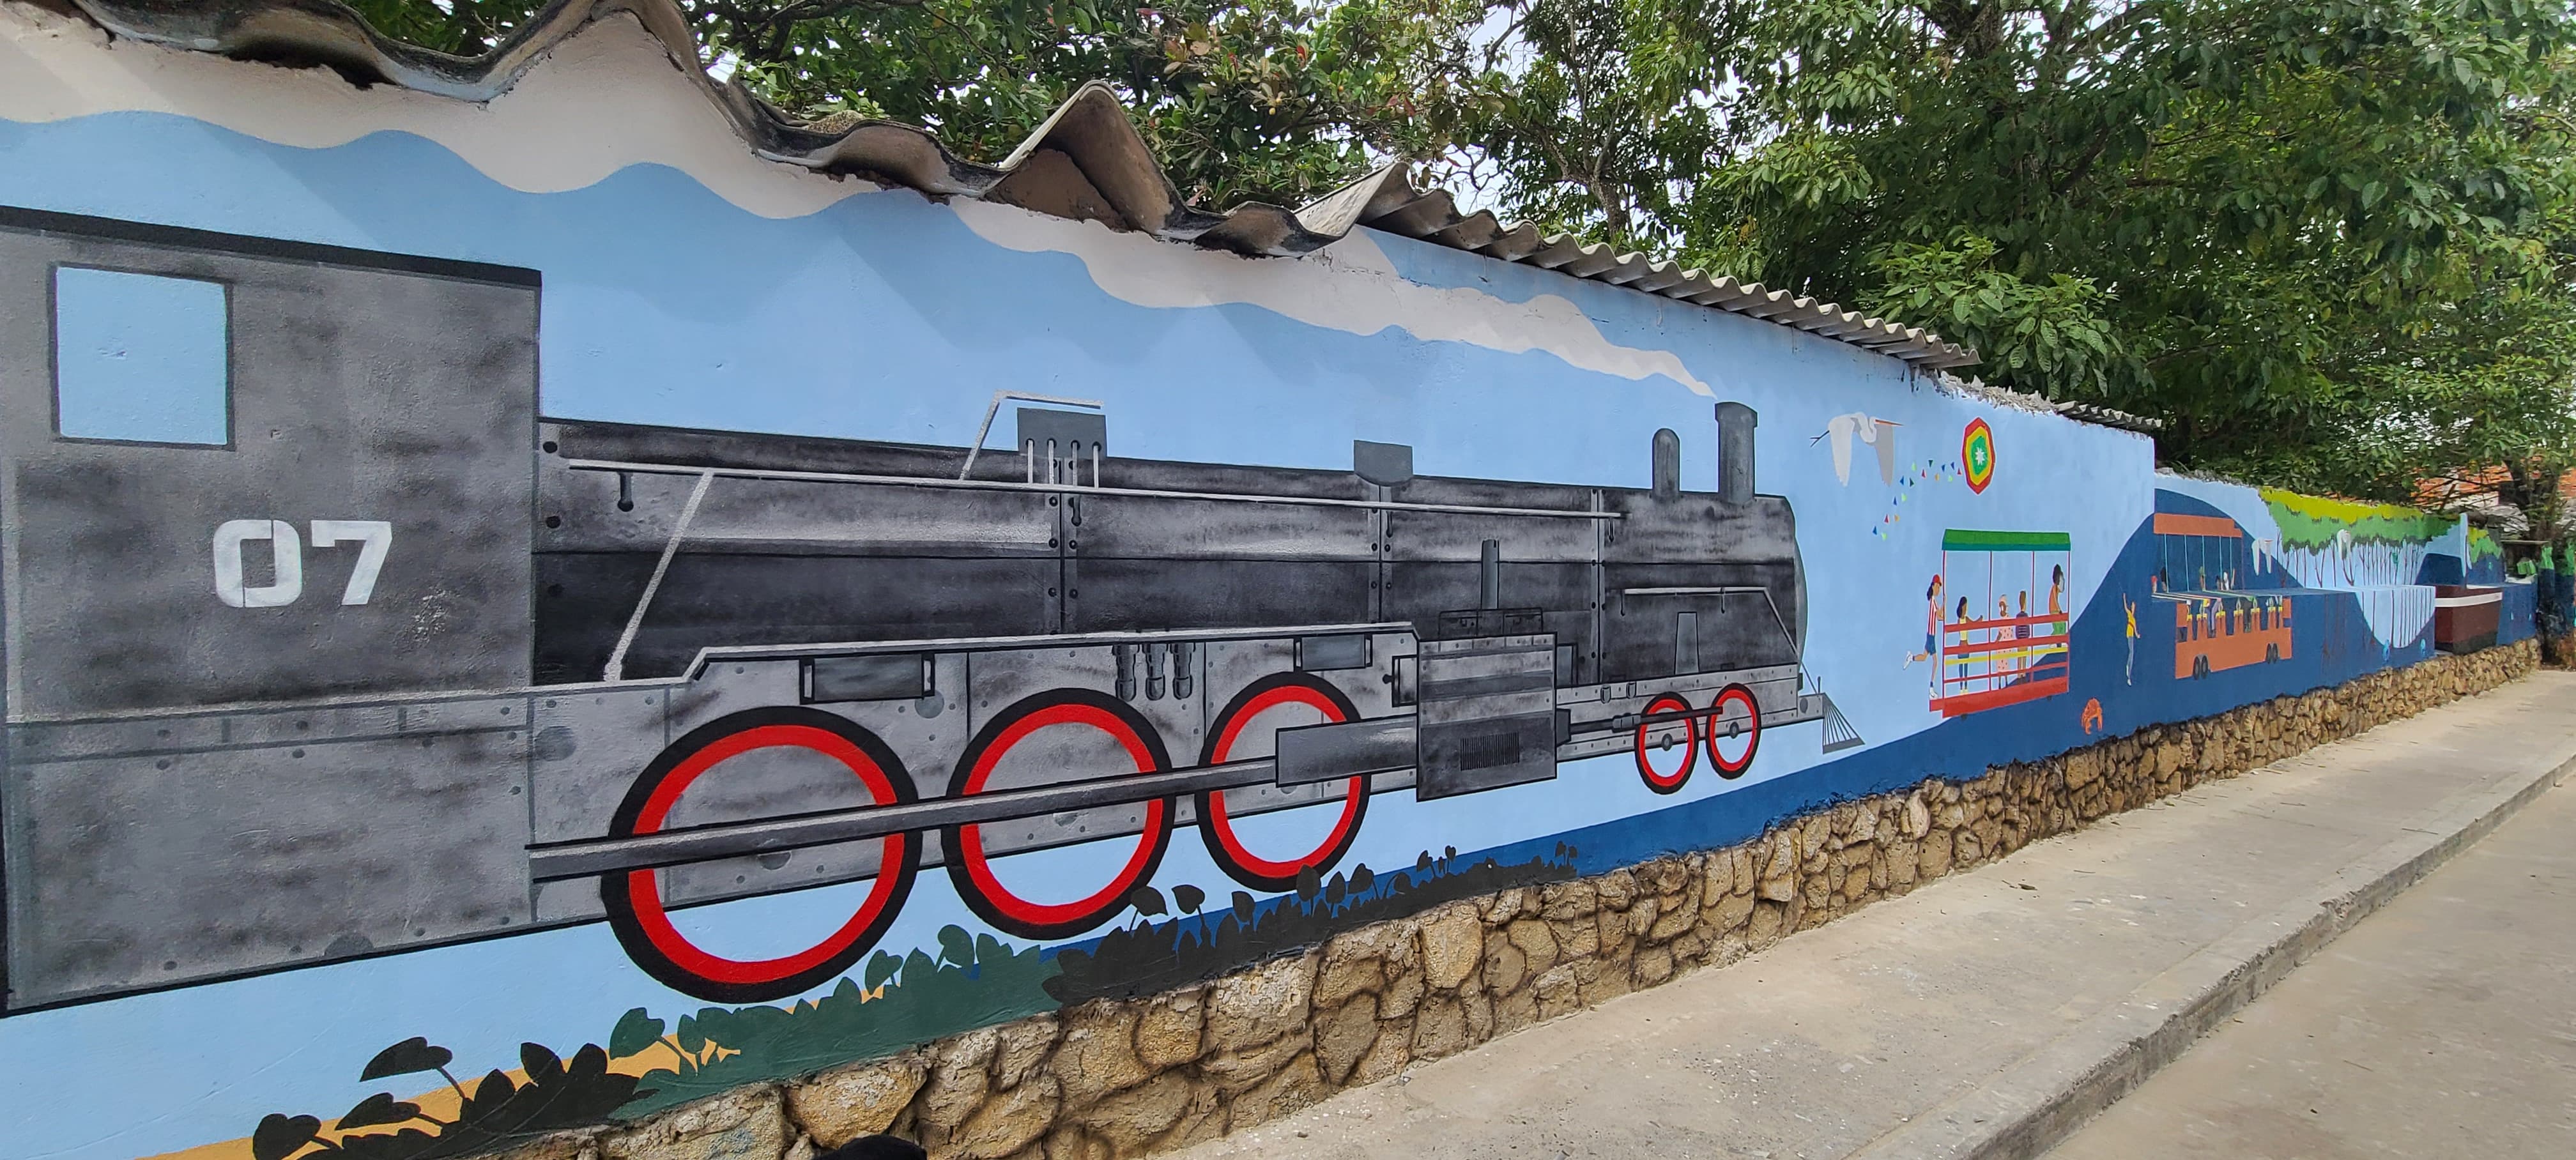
(972, 871)
(1651, 753)
(1241, 864)
(633, 898)
(1732, 739)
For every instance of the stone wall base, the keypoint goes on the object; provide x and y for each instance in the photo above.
(1113, 1079)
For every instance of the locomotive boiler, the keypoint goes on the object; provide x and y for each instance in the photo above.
(399, 663)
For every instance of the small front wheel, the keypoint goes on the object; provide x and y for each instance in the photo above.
(1734, 731)
(1667, 727)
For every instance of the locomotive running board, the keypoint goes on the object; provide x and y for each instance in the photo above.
(1613, 734)
(589, 856)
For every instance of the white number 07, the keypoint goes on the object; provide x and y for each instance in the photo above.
(286, 552)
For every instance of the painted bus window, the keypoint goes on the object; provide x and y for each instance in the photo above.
(2006, 642)
(2228, 611)
(140, 358)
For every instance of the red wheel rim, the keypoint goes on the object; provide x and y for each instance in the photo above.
(1667, 703)
(634, 897)
(1735, 695)
(972, 869)
(1223, 844)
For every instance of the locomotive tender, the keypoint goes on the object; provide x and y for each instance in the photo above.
(400, 663)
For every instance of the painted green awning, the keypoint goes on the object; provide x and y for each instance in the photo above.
(1959, 540)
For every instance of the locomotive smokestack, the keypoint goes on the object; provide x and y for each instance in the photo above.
(1735, 423)
(1489, 587)
(1668, 464)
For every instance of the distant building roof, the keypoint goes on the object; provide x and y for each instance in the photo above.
(1086, 162)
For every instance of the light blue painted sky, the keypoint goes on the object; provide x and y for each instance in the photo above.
(883, 317)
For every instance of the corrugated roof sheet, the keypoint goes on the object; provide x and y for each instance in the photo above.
(1086, 162)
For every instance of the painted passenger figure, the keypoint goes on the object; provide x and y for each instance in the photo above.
(2021, 631)
(2005, 662)
(1931, 630)
(1962, 617)
(2129, 629)
(2057, 599)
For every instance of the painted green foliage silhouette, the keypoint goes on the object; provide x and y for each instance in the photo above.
(974, 980)
(496, 1112)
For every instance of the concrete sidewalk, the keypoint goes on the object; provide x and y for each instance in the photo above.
(2445, 1025)
(1989, 1012)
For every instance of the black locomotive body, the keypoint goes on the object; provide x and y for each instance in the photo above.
(721, 665)
(803, 540)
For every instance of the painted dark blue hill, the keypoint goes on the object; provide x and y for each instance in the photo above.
(2331, 645)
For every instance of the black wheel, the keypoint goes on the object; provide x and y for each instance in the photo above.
(971, 870)
(1654, 736)
(1735, 715)
(1276, 691)
(633, 898)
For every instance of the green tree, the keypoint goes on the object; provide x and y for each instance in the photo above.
(2248, 218)
(2326, 240)
(1269, 99)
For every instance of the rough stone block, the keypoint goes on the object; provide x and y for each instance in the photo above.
(1558, 991)
(1404, 988)
(1006, 1123)
(1515, 1011)
(1653, 966)
(1130, 1120)
(1561, 901)
(1717, 877)
(1578, 938)
(960, 1078)
(1671, 923)
(1344, 1037)
(842, 1105)
(1479, 1008)
(1439, 1028)
(744, 1124)
(1766, 926)
(1297, 1085)
(1236, 1072)
(1169, 1032)
(1351, 965)
(1022, 1049)
(1260, 1005)
(1389, 1055)
(1098, 1053)
(1617, 889)
(1535, 942)
(1505, 965)
(1453, 940)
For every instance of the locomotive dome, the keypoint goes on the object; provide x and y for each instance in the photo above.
(1086, 162)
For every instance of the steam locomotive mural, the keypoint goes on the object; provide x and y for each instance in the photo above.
(400, 663)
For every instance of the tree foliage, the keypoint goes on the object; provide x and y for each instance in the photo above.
(2330, 242)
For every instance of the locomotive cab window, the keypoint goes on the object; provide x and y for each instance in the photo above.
(141, 358)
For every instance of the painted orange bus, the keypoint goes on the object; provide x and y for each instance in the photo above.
(2217, 631)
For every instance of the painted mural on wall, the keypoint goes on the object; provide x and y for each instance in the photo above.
(627, 621)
